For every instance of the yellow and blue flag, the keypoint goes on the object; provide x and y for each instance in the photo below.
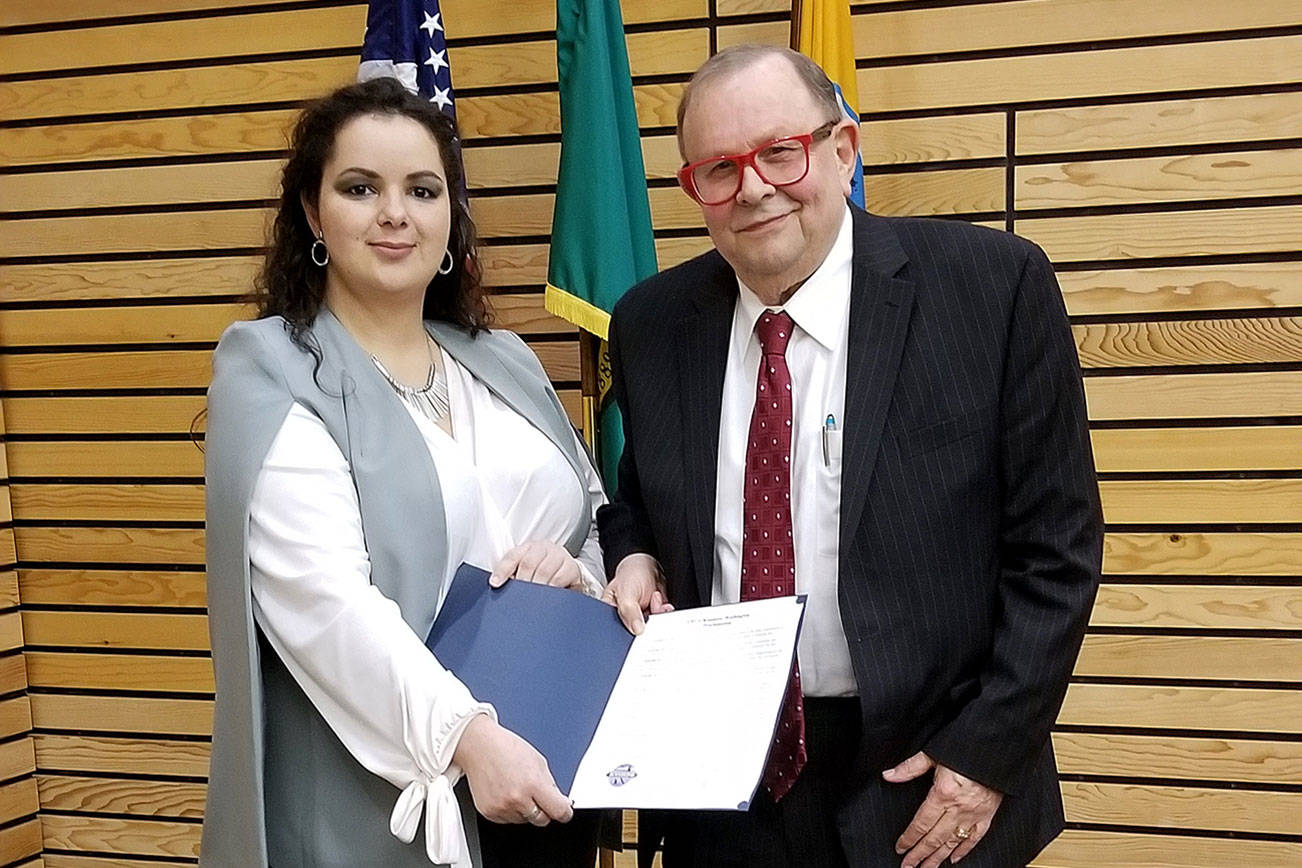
(824, 34)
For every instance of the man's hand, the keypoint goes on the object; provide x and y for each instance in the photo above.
(953, 818)
(541, 561)
(636, 591)
(509, 780)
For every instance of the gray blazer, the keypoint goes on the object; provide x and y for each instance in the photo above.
(282, 788)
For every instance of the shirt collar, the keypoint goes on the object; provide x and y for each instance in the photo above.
(819, 306)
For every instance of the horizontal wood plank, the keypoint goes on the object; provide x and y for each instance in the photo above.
(1081, 74)
(1162, 123)
(73, 860)
(135, 414)
(11, 631)
(929, 139)
(136, 233)
(105, 458)
(1206, 708)
(1192, 501)
(147, 369)
(927, 194)
(471, 18)
(109, 502)
(17, 758)
(1249, 760)
(15, 716)
(109, 545)
(1142, 180)
(142, 324)
(1194, 396)
(19, 799)
(64, 11)
(147, 138)
(80, 753)
(116, 630)
(1079, 848)
(1197, 808)
(144, 798)
(1202, 554)
(136, 186)
(13, 673)
(1178, 233)
(63, 587)
(988, 26)
(64, 282)
(183, 88)
(1130, 450)
(9, 582)
(66, 670)
(1200, 607)
(125, 836)
(1246, 340)
(756, 32)
(117, 714)
(23, 839)
(1173, 289)
(1233, 658)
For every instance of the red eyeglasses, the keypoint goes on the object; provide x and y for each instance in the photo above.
(780, 163)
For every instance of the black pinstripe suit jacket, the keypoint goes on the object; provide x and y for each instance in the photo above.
(970, 528)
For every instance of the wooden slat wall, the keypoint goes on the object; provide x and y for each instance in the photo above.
(1152, 148)
(20, 830)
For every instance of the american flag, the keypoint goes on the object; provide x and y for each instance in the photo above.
(405, 40)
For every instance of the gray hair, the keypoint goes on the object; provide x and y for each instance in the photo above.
(739, 57)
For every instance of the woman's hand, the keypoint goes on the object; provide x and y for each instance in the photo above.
(509, 780)
(541, 561)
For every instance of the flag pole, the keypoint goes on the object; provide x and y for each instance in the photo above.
(589, 357)
(795, 24)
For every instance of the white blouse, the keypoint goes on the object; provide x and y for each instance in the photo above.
(386, 697)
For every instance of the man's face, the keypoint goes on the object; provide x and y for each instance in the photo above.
(774, 237)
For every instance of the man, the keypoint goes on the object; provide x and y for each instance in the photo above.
(909, 389)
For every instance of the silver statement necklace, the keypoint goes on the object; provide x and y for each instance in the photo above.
(430, 399)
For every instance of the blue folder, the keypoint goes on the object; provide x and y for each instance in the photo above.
(546, 658)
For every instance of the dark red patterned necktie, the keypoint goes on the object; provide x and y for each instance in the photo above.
(768, 563)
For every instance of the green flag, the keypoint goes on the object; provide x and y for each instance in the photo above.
(601, 229)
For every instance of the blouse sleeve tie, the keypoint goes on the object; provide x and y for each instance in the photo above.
(445, 838)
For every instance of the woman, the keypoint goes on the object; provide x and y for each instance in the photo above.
(366, 435)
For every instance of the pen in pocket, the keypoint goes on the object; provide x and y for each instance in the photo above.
(831, 441)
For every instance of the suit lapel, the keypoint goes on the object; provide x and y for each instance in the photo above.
(880, 309)
(702, 350)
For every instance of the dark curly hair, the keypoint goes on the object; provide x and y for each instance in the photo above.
(290, 285)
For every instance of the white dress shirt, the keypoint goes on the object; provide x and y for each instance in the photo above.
(399, 712)
(816, 357)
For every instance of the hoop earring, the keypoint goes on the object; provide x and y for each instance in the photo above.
(320, 255)
(448, 262)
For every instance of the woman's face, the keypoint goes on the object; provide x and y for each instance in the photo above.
(383, 209)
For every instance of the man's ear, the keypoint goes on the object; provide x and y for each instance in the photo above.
(846, 137)
(313, 217)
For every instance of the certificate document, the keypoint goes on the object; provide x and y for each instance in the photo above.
(680, 717)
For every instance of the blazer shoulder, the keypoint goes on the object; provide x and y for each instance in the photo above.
(929, 238)
(669, 289)
(510, 347)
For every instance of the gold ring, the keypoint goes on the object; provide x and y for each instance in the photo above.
(533, 815)
(962, 833)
